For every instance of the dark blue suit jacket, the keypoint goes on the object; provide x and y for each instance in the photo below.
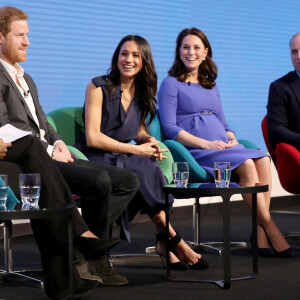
(283, 116)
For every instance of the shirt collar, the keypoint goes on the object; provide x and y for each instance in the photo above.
(298, 73)
(16, 70)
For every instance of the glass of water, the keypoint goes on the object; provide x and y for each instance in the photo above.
(30, 186)
(180, 171)
(222, 173)
(3, 192)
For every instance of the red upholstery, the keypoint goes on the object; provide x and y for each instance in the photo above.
(287, 161)
(264, 128)
(288, 167)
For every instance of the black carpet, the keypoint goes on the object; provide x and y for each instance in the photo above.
(277, 278)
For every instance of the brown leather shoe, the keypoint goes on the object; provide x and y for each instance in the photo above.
(103, 268)
(82, 267)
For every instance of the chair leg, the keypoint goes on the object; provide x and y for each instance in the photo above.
(8, 257)
(7, 238)
(207, 246)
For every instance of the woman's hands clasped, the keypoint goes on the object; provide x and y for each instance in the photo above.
(152, 149)
(220, 145)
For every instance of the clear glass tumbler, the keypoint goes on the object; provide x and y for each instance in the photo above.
(3, 191)
(30, 187)
(222, 173)
(180, 171)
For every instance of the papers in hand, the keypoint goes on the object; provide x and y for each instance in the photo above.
(10, 133)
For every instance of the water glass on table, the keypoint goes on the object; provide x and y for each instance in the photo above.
(180, 171)
(30, 187)
(222, 173)
(3, 191)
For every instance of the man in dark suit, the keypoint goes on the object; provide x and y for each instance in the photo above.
(283, 116)
(106, 190)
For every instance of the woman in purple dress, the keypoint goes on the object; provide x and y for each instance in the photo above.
(191, 113)
(116, 109)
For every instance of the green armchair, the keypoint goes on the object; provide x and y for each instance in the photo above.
(180, 153)
(68, 122)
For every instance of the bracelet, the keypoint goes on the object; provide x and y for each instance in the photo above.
(118, 148)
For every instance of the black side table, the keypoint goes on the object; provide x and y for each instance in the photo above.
(198, 190)
(7, 216)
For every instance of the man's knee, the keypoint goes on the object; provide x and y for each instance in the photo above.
(100, 183)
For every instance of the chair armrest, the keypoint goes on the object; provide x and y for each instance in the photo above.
(180, 153)
(248, 144)
(166, 164)
(288, 167)
(77, 153)
(52, 123)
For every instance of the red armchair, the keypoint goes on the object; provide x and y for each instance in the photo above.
(287, 161)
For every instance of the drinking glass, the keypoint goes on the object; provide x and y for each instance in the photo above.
(3, 191)
(180, 171)
(30, 186)
(222, 174)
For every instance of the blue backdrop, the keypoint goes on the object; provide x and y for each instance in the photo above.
(73, 40)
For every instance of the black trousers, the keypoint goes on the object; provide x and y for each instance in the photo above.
(28, 155)
(106, 192)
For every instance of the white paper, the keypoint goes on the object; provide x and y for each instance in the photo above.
(10, 133)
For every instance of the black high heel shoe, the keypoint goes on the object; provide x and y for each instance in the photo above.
(264, 252)
(201, 264)
(287, 253)
(93, 247)
(180, 265)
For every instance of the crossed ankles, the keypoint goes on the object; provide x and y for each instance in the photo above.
(185, 262)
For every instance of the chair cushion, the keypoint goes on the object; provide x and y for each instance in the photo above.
(288, 167)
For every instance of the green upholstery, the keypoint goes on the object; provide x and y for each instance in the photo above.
(68, 122)
(248, 144)
(180, 153)
(166, 164)
(155, 130)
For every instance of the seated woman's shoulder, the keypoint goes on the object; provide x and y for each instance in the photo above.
(100, 80)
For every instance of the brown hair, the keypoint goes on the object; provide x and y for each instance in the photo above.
(145, 80)
(207, 72)
(8, 14)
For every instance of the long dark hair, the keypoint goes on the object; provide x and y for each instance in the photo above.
(207, 72)
(145, 80)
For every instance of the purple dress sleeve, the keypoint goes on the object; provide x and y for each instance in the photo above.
(167, 99)
(185, 107)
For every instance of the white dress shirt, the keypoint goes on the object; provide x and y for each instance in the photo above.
(17, 74)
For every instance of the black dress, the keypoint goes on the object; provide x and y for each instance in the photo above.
(124, 127)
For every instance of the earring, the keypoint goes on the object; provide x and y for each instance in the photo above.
(204, 58)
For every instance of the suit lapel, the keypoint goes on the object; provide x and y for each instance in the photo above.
(15, 88)
(295, 85)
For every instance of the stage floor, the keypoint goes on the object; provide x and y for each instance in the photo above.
(277, 278)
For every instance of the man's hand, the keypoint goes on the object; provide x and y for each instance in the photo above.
(62, 153)
(3, 148)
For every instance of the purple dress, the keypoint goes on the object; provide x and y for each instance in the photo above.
(199, 111)
(124, 127)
